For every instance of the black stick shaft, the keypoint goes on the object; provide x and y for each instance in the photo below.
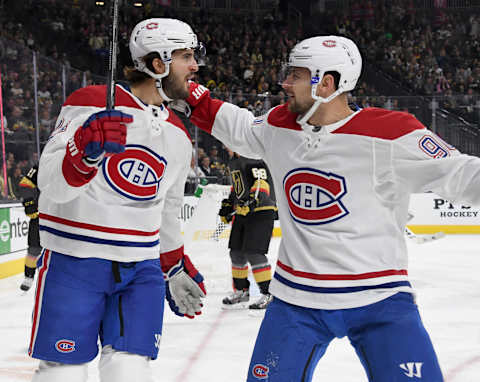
(112, 57)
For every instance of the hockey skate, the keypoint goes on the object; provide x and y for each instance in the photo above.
(26, 284)
(262, 302)
(238, 299)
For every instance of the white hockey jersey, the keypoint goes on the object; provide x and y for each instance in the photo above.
(129, 211)
(343, 194)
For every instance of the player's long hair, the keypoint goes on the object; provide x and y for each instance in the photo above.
(134, 76)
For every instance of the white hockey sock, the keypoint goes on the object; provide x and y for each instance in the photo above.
(60, 372)
(121, 366)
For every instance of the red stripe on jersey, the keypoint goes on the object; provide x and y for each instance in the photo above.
(40, 282)
(93, 227)
(281, 117)
(380, 123)
(361, 276)
(95, 96)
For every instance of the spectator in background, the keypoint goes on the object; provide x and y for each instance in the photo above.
(195, 171)
(215, 161)
(205, 166)
(3, 192)
(13, 181)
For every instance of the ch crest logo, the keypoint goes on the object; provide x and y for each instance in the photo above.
(152, 26)
(260, 371)
(136, 173)
(314, 196)
(65, 346)
(237, 181)
(412, 369)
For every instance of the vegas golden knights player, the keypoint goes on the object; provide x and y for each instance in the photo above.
(251, 205)
(30, 193)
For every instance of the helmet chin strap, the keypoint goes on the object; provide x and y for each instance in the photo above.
(158, 84)
(302, 120)
(158, 81)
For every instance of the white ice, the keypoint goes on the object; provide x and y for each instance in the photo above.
(216, 346)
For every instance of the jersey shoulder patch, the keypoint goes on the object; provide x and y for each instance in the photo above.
(380, 123)
(176, 121)
(95, 96)
(281, 117)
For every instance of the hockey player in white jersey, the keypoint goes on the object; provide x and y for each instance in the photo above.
(112, 185)
(343, 180)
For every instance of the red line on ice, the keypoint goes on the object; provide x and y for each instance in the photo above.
(200, 348)
(454, 372)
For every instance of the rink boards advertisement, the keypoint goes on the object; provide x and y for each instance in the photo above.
(433, 213)
(13, 229)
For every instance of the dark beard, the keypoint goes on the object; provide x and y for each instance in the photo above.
(173, 88)
(299, 109)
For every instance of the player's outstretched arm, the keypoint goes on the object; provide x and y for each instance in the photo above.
(76, 148)
(424, 162)
(237, 128)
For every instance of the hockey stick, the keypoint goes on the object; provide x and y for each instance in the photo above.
(112, 58)
(423, 238)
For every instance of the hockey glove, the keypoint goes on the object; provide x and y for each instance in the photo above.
(203, 108)
(185, 288)
(31, 208)
(197, 94)
(103, 133)
(30, 180)
(226, 211)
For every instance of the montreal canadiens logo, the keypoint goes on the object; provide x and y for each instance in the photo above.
(260, 371)
(329, 43)
(314, 197)
(136, 173)
(65, 346)
(152, 26)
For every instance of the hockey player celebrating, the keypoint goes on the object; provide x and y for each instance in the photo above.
(342, 180)
(252, 203)
(112, 186)
(30, 194)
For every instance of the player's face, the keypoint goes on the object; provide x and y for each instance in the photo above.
(299, 90)
(182, 70)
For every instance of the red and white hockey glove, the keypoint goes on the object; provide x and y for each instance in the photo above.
(197, 93)
(203, 108)
(184, 288)
(103, 133)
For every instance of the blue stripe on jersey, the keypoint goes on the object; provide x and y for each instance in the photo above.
(310, 288)
(96, 240)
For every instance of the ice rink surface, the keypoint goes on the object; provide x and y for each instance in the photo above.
(216, 346)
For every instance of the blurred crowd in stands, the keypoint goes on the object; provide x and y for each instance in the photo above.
(428, 52)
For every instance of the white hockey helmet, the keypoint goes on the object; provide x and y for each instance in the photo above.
(323, 54)
(163, 36)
